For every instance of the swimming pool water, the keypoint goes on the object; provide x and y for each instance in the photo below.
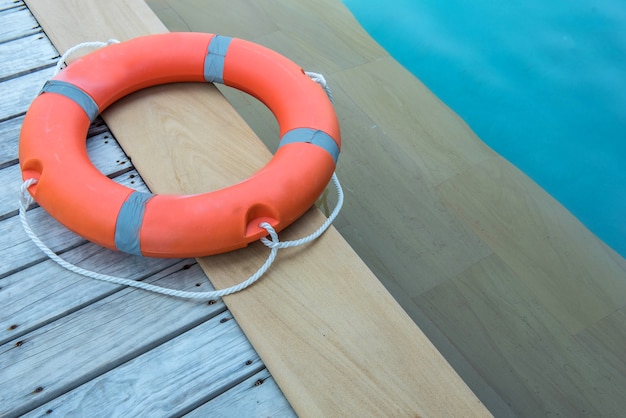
(541, 82)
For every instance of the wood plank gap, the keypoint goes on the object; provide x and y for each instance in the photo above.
(12, 213)
(155, 275)
(34, 31)
(43, 398)
(9, 163)
(26, 32)
(253, 397)
(41, 259)
(9, 5)
(13, 116)
(208, 356)
(222, 390)
(19, 93)
(26, 72)
(99, 127)
(134, 354)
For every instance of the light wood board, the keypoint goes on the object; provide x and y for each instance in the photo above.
(334, 339)
(429, 205)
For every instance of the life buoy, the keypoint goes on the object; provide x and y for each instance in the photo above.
(52, 147)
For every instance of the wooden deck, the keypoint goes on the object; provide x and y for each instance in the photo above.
(74, 346)
(71, 345)
(525, 303)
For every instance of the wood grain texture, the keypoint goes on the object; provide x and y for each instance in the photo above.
(354, 345)
(428, 203)
(16, 22)
(322, 328)
(605, 342)
(201, 133)
(513, 320)
(91, 346)
(18, 93)
(536, 237)
(30, 305)
(43, 55)
(105, 21)
(252, 397)
(170, 379)
(10, 4)
(19, 252)
(9, 132)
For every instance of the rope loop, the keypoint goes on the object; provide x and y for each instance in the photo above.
(321, 80)
(25, 198)
(273, 243)
(62, 63)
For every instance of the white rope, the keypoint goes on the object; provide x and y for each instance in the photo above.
(319, 79)
(321, 229)
(274, 244)
(85, 45)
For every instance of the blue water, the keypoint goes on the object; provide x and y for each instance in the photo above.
(541, 82)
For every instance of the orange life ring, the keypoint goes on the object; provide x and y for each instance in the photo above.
(52, 147)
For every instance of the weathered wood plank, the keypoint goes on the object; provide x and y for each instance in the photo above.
(102, 336)
(254, 397)
(9, 4)
(18, 251)
(19, 92)
(26, 54)
(168, 380)
(38, 295)
(106, 154)
(16, 23)
(9, 133)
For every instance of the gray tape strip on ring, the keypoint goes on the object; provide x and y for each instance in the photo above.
(312, 136)
(129, 222)
(74, 93)
(214, 61)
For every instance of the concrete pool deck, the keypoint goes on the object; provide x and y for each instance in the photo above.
(526, 304)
